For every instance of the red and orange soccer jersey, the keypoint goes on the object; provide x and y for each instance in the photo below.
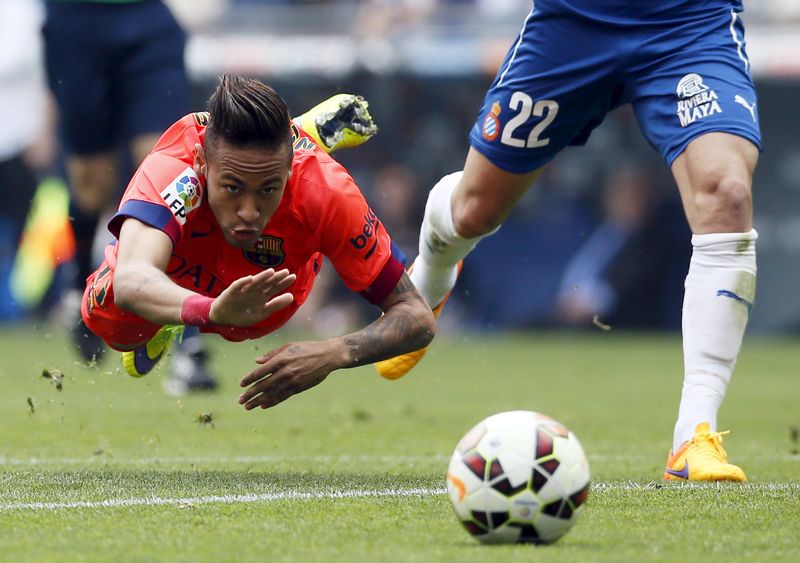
(322, 212)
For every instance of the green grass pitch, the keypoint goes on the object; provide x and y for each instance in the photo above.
(109, 468)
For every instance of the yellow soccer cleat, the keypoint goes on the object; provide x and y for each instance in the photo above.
(702, 459)
(341, 121)
(397, 367)
(142, 360)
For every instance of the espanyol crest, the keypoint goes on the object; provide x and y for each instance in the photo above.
(491, 123)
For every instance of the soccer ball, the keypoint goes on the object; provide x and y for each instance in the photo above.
(518, 476)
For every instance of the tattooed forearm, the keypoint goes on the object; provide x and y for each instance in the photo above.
(388, 336)
(402, 329)
(407, 324)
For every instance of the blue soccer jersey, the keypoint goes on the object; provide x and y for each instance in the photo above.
(681, 64)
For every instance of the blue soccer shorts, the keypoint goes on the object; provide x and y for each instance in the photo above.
(565, 73)
(116, 69)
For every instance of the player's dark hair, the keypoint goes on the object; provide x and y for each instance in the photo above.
(247, 112)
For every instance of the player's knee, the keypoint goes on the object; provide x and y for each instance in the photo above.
(736, 197)
(731, 197)
(472, 220)
(92, 186)
(721, 204)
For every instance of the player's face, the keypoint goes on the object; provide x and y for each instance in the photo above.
(245, 186)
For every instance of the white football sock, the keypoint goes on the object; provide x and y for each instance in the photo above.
(440, 247)
(720, 288)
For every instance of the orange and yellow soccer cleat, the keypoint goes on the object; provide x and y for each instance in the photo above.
(397, 367)
(702, 459)
(342, 121)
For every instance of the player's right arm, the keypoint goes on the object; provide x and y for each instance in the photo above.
(141, 285)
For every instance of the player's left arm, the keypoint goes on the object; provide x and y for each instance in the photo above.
(407, 324)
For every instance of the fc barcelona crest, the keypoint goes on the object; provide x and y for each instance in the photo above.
(267, 252)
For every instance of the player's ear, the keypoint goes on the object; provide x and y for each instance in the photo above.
(200, 163)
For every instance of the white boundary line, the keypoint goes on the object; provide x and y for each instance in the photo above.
(221, 499)
(189, 502)
(109, 459)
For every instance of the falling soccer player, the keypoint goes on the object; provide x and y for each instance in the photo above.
(224, 227)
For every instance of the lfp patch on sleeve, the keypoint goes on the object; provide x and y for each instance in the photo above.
(183, 194)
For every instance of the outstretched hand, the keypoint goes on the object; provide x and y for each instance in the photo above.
(286, 371)
(252, 299)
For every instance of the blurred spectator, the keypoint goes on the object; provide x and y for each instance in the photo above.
(623, 273)
(395, 194)
(24, 142)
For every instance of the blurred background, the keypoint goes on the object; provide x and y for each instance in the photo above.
(601, 238)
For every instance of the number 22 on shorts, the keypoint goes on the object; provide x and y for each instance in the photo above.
(525, 107)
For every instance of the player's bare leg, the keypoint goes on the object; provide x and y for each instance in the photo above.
(462, 208)
(714, 177)
(92, 181)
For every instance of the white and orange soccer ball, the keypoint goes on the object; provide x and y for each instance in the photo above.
(518, 477)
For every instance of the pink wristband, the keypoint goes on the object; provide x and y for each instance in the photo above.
(196, 309)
